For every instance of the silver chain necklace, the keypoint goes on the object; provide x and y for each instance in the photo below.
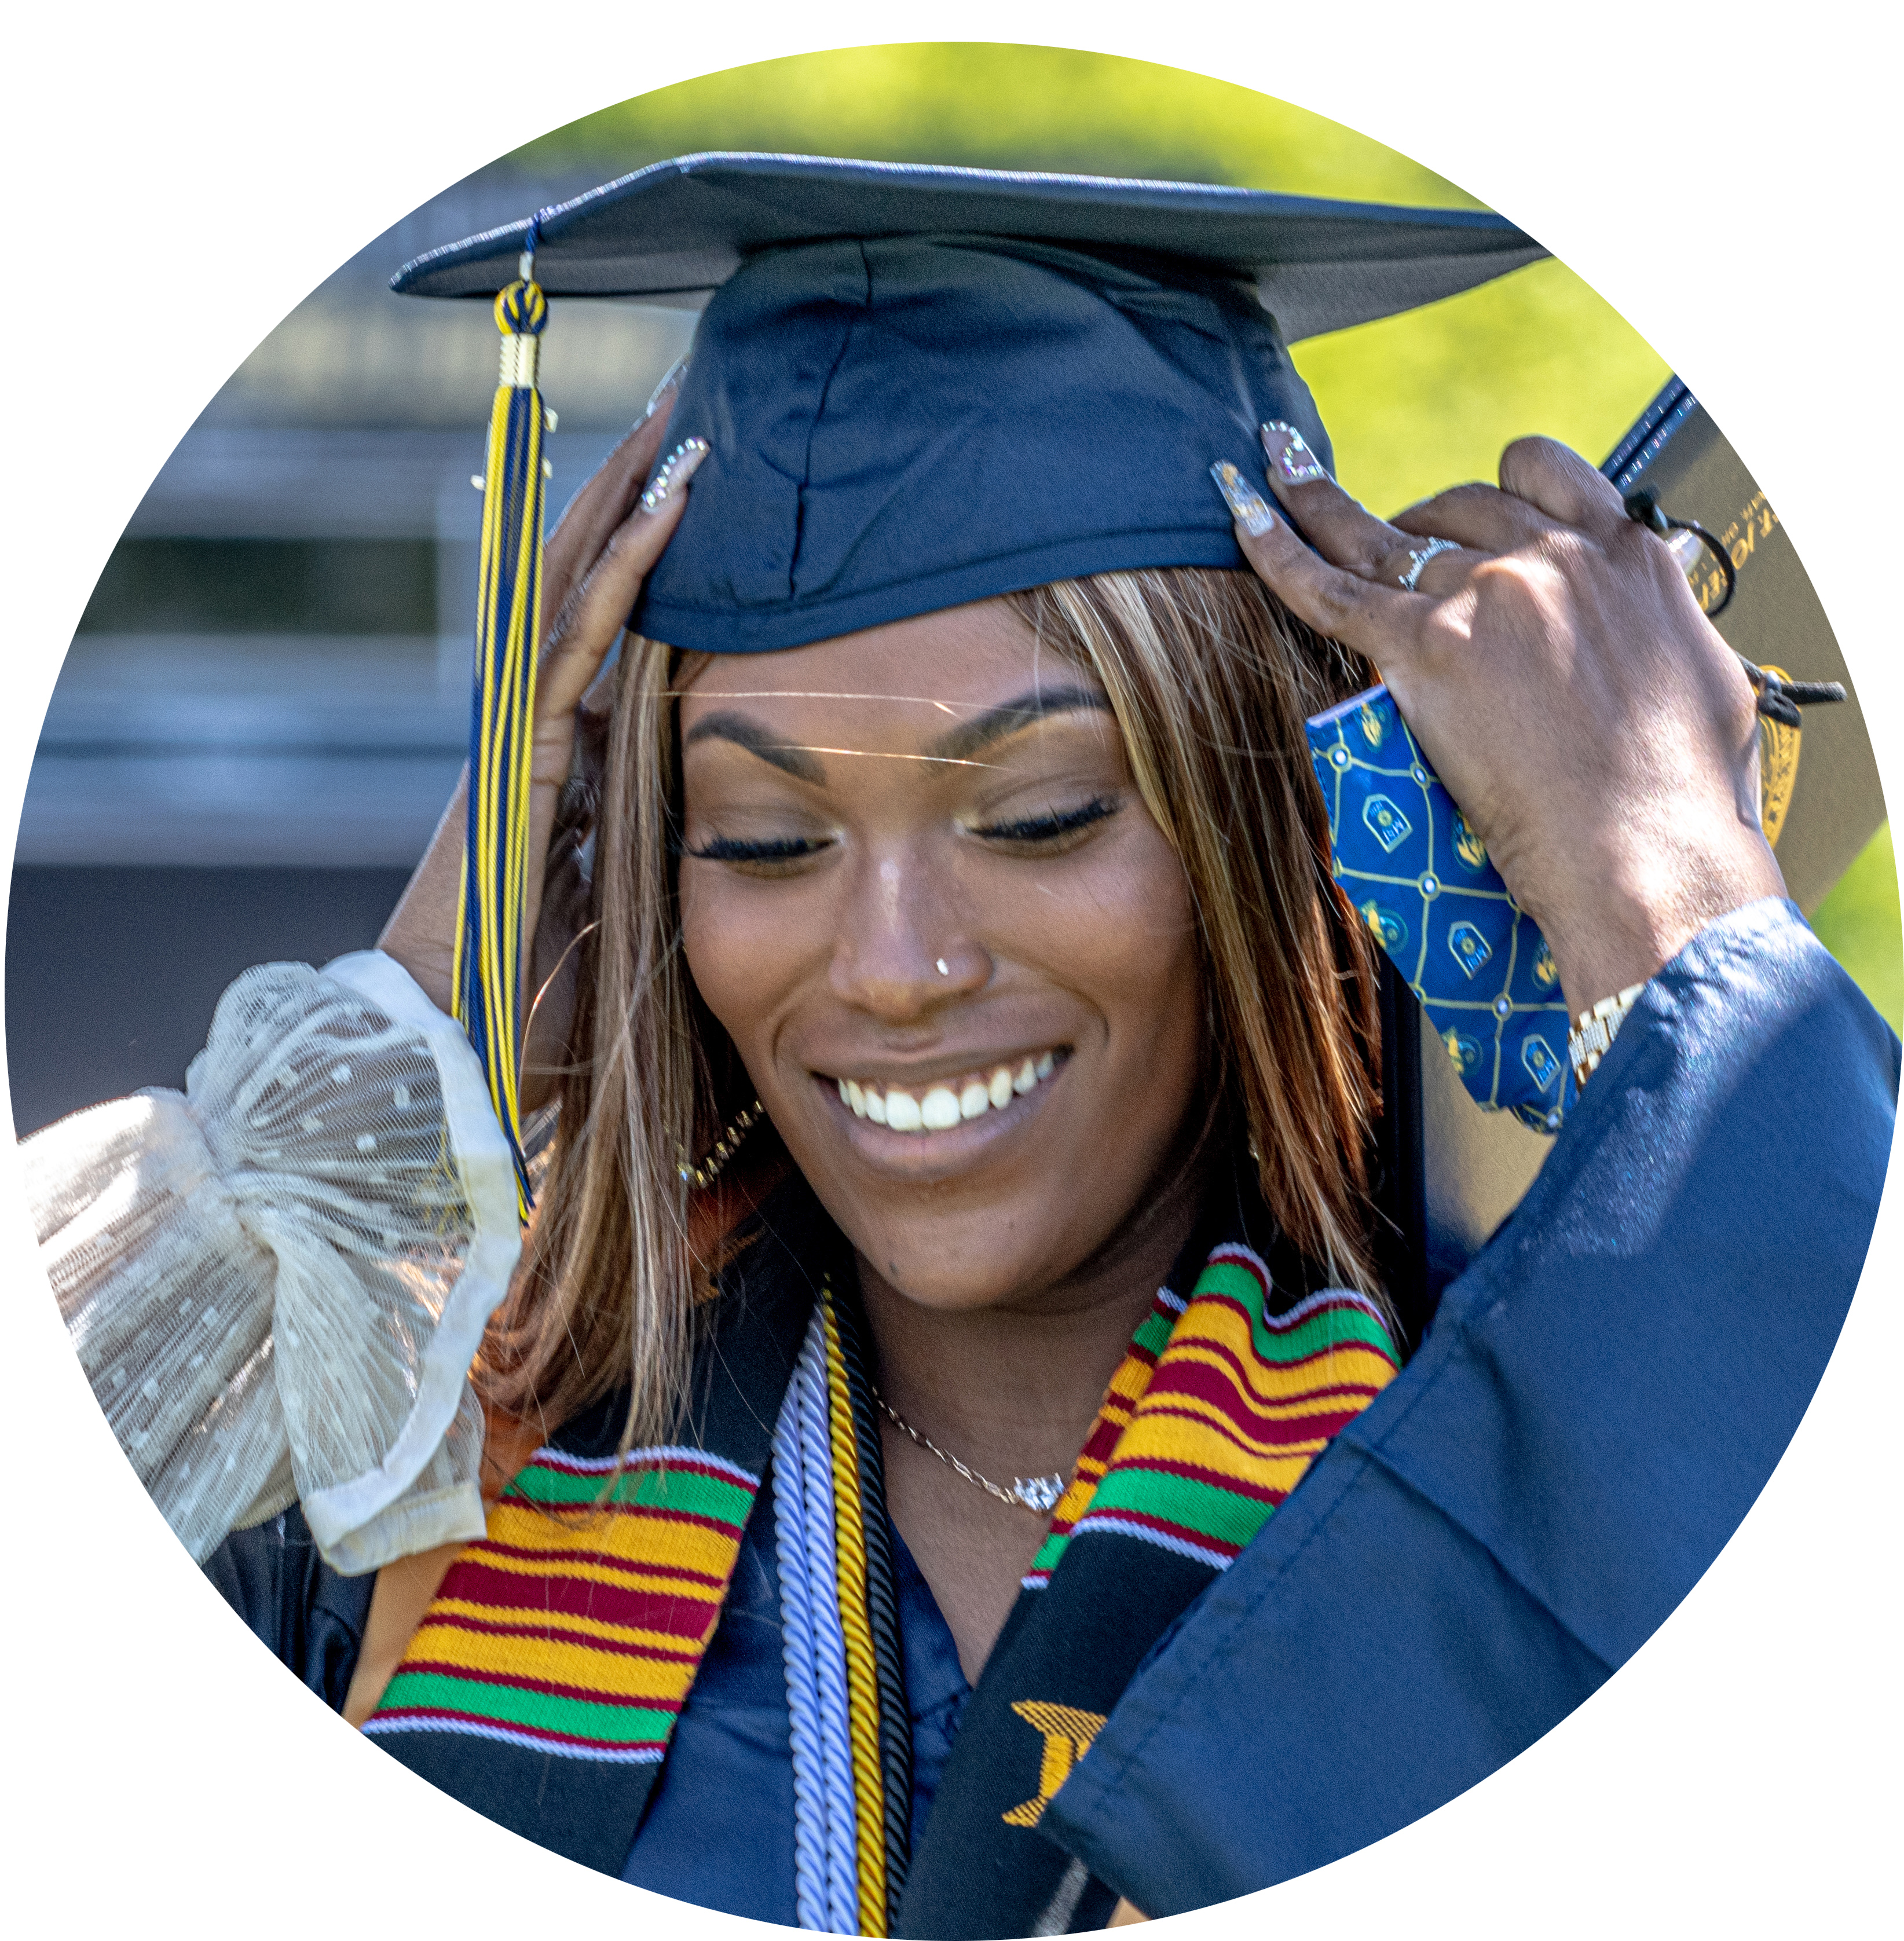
(1038, 1494)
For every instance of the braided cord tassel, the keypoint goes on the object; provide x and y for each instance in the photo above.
(829, 1643)
(881, 1607)
(862, 1675)
(802, 1682)
(487, 985)
(814, 1650)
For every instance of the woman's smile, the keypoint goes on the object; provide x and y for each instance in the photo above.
(938, 1106)
(953, 949)
(941, 1125)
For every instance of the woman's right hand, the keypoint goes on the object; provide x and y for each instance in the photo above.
(604, 545)
(1598, 733)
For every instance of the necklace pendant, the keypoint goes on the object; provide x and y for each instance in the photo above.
(1039, 1492)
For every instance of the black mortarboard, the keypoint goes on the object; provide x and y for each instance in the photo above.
(928, 386)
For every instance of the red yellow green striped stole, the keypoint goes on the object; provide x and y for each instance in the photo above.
(1222, 1402)
(573, 1630)
(1218, 1409)
(576, 1625)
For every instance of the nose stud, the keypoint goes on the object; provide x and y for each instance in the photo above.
(945, 969)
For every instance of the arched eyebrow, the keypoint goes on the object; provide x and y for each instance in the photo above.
(747, 733)
(995, 723)
(959, 745)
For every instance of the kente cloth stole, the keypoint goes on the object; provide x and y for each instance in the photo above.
(576, 1625)
(543, 1683)
(542, 1686)
(1222, 1404)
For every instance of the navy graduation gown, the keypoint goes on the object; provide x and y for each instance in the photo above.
(1603, 1393)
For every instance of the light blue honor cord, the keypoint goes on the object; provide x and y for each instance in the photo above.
(813, 1650)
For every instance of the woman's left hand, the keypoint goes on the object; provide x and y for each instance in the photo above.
(1554, 664)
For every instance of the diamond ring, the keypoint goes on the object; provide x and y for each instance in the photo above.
(1419, 557)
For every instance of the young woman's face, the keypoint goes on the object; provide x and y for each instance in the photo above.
(956, 953)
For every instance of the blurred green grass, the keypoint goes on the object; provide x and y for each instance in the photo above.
(1412, 403)
(1858, 923)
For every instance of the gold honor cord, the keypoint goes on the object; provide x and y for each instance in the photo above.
(487, 985)
(862, 1680)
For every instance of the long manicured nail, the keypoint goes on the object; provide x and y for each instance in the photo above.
(1289, 453)
(677, 468)
(1247, 505)
(672, 375)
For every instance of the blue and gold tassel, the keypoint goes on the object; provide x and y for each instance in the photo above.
(490, 942)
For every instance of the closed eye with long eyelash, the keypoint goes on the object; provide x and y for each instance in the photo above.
(1047, 829)
(728, 849)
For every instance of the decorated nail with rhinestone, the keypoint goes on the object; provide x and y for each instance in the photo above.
(670, 377)
(677, 468)
(1247, 505)
(1289, 453)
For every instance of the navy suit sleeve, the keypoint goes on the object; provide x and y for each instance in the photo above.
(1604, 1394)
(310, 1618)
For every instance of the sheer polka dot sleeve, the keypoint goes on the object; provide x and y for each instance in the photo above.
(277, 1280)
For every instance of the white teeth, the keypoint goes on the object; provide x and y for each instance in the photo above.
(945, 1104)
(939, 1111)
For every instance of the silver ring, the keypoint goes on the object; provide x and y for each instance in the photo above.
(1419, 557)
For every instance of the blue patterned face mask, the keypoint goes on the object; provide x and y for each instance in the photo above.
(1421, 879)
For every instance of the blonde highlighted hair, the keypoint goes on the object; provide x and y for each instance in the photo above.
(1210, 678)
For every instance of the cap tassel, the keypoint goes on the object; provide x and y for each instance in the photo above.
(487, 985)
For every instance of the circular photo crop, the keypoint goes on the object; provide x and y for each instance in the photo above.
(907, 979)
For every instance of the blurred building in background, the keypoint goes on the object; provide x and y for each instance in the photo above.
(266, 707)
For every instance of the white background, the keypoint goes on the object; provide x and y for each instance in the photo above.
(181, 176)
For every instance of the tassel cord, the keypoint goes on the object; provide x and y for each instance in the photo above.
(829, 1643)
(862, 1681)
(487, 982)
(882, 1610)
(802, 1685)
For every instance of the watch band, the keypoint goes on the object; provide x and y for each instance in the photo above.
(1595, 1030)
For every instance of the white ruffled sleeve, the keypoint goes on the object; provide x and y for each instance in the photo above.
(277, 1280)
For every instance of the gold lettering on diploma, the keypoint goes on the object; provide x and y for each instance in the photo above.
(1778, 745)
(1778, 769)
(1740, 540)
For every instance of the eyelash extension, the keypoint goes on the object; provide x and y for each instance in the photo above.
(791, 849)
(1049, 828)
(726, 849)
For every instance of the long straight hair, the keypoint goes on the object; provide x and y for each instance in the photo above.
(1209, 677)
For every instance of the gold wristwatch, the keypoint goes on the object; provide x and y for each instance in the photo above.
(1595, 1030)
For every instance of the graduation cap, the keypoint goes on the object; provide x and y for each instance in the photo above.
(921, 386)
(678, 229)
